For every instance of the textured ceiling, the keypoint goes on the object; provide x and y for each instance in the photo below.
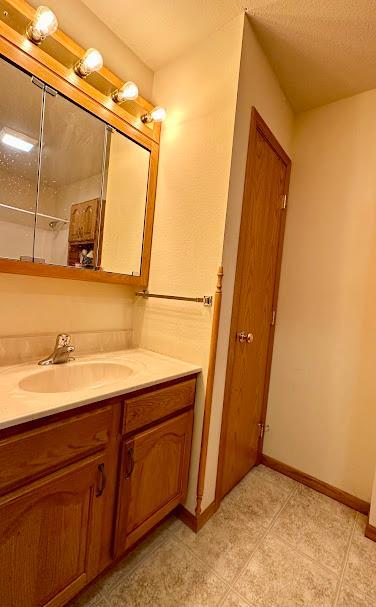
(321, 50)
(160, 30)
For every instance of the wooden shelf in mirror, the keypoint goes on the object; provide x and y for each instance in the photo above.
(29, 268)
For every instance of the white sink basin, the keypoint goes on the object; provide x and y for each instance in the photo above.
(75, 376)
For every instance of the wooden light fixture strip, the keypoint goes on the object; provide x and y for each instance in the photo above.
(58, 66)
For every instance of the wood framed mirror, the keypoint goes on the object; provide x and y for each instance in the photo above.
(78, 172)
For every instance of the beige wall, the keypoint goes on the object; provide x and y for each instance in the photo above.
(322, 412)
(259, 87)
(78, 22)
(35, 305)
(199, 90)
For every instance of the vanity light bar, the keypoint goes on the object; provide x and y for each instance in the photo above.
(45, 24)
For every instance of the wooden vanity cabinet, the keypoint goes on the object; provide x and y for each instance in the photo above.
(154, 477)
(155, 458)
(46, 531)
(84, 221)
(78, 489)
(84, 230)
(58, 480)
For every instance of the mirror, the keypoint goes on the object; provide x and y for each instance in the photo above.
(70, 191)
(20, 115)
(124, 209)
(79, 199)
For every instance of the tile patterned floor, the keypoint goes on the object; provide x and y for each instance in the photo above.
(273, 543)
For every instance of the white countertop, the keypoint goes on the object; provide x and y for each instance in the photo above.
(18, 405)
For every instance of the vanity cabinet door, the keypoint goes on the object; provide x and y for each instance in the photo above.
(89, 220)
(154, 477)
(47, 532)
(83, 221)
(75, 223)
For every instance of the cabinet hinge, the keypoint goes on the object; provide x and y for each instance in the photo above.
(284, 201)
(50, 91)
(273, 318)
(37, 82)
(43, 86)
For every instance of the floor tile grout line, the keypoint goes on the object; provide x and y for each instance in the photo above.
(299, 550)
(136, 566)
(209, 567)
(279, 513)
(322, 508)
(345, 561)
(230, 586)
(258, 544)
(212, 569)
(270, 482)
(275, 480)
(267, 532)
(231, 590)
(307, 556)
(105, 598)
(162, 542)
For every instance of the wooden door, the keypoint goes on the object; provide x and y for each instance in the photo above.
(154, 477)
(254, 305)
(45, 532)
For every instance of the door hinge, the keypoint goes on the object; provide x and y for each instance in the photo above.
(284, 201)
(273, 318)
(263, 428)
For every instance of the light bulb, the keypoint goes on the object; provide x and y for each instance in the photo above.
(158, 114)
(91, 62)
(128, 92)
(44, 24)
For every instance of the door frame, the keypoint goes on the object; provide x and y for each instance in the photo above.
(257, 125)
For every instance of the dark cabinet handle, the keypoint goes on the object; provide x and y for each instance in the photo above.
(102, 480)
(130, 463)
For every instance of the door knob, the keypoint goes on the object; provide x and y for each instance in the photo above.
(245, 338)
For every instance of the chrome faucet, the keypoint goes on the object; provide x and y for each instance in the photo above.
(61, 353)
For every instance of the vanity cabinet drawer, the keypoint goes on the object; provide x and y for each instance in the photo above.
(32, 454)
(152, 406)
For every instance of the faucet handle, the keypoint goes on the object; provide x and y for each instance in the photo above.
(63, 340)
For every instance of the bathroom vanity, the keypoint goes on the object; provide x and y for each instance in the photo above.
(91, 471)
